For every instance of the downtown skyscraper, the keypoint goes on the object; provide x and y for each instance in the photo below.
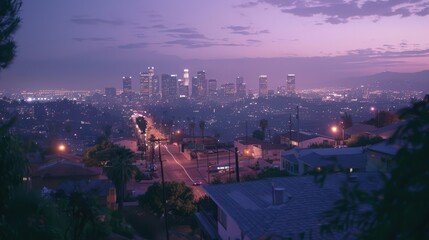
(212, 88)
(263, 86)
(199, 85)
(169, 86)
(240, 87)
(147, 85)
(126, 85)
(290, 84)
(183, 85)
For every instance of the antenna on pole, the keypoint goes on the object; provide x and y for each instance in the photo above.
(290, 129)
(297, 118)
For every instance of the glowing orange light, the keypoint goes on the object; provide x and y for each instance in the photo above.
(334, 129)
(62, 147)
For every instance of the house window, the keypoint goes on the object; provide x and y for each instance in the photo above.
(221, 216)
(295, 168)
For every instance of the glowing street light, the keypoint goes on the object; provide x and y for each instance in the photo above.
(334, 129)
(61, 147)
(373, 109)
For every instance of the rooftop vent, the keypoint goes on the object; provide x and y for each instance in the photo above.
(278, 195)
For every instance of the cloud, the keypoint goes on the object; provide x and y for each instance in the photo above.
(158, 26)
(369, 54)
(133, 45)
(190, 43)
(96, 21)
(181, 30)
(341, 11)
(246, 5)
(184, 33)
(244, 30)
(190, 35)
(253, 41)
(93, 39)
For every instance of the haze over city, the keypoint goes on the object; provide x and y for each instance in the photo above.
(222, 119)
(92, 44)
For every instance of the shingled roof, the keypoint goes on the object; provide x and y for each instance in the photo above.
(250, 204)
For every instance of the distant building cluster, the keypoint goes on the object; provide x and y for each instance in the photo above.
(151, 87)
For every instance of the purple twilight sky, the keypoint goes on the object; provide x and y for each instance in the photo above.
(83, 44)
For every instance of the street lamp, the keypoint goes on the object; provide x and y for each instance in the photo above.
(373, 109)
(61, 147)
(335, 130)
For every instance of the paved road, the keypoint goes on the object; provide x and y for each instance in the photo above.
(178, 168)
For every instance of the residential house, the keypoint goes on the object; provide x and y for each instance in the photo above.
(277, 208)
(305, 139)
(387, 131)
(53, 173)
(299, 161)
(248, 146)
(380, 156)
(359, 129)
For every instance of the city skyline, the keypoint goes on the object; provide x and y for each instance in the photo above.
(88, 45)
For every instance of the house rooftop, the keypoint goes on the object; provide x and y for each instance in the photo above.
(303, 136)
(328, 151)
(251, 206)
(385, 147)
(249, 140)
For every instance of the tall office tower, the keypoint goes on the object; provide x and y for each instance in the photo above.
(186, 77)
(290, 84)
(145, 84)
(151, 72)
(194, 89)
(212, 88)
(126, 85)
(110, 92)
(202, 84)
(182, 89)
(155, 86)
(229, 89)
(240, 87)
(169, 86)
(263, 86)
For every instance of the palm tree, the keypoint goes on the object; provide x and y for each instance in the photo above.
(191, 128)
(120, 169)
(263, 124)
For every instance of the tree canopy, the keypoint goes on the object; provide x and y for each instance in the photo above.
(9, 23)
(13, 163)
(399, 209)
(180, 199)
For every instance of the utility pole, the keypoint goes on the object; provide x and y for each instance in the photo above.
(237, 170)
(208, 167)
(164, 197)
(297, 118)
(290, 129)
(229, 164)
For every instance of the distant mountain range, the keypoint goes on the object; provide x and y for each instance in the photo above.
(391, 81)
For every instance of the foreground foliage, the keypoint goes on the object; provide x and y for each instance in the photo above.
(399, 210)
(180, 199)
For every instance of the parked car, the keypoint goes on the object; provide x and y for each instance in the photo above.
(197, 183)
